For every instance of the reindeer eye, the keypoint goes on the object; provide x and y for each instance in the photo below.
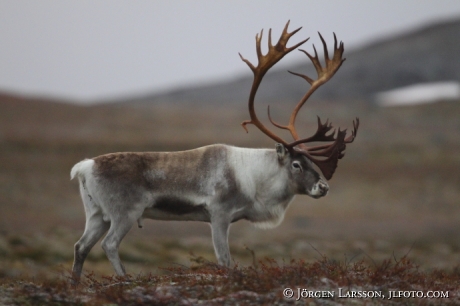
(296, 165)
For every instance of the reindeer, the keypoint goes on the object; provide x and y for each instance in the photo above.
(218, 184)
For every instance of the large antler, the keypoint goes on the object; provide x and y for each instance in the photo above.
(332, 152)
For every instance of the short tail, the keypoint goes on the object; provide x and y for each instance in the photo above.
(80, 168)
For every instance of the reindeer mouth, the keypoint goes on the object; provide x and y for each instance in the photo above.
(320, 189)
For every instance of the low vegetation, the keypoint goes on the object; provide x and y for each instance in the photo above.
(323, 282)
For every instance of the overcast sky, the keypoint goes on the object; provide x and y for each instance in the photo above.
(90, 50)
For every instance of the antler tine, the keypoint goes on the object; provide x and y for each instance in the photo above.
(305, 77)
(270, 39)
(258, 40)
(251, 66)
(326, 54)
(273, 122)
(350, 138)
(338, 51)
(335, 41)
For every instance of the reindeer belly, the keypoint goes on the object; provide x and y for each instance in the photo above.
(177, 208)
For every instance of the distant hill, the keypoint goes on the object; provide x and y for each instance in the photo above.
(427, 54)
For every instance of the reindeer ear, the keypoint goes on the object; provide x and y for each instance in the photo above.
(281, 151)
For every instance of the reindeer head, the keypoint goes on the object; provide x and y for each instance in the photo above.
(302, 177)
(299, 155)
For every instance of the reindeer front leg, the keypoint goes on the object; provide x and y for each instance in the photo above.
(220, 226)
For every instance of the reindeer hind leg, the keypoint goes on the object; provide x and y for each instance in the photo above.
(94, 229)
(119, 227)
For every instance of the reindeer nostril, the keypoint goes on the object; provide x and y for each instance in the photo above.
(323, 187)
